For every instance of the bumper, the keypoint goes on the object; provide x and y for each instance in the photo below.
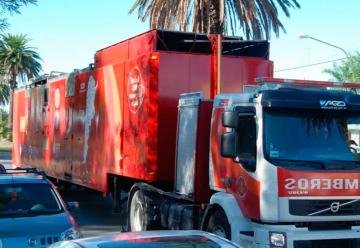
(303, 238)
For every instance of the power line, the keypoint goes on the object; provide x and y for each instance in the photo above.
(304, 66)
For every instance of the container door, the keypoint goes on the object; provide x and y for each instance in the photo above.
(68, 142)
(33, 129)
(137, 127)
(55, 129)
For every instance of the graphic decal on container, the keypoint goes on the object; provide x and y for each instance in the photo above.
(90, 114)
(135, 90)
(57, 106)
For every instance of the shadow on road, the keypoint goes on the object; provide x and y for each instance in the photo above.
(95, 215)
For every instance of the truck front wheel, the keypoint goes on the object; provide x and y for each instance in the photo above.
(219, 224)
(137, 213)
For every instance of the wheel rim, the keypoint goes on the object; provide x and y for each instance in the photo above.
(219, 230)
(136, 216)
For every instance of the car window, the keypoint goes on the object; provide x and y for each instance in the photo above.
(28, 200)
(193, 241)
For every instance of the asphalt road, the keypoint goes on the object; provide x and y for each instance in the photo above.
(95, 215)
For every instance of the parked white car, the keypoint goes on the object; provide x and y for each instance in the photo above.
(151, 239)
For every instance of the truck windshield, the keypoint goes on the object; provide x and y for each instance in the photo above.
(19, 200)
(308, 139)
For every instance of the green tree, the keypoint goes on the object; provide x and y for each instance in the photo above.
(5, 131)
(19, 61)
(11, 7)
(346, 71)
(4, 88)
(4, 94)
(255, 18)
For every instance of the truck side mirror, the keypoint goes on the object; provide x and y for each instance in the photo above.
(228, 145)
(230, 119)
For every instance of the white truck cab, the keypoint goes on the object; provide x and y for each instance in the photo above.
(283, 165)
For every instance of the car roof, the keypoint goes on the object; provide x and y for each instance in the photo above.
(14, 178)
(143, 238)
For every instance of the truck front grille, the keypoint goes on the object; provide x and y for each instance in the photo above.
(46, 241)
(324, 207)
(328, 243)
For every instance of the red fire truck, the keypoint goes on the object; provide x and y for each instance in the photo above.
(267, 163)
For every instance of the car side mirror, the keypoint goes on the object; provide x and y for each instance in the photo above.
(228, 145)
(72, 205)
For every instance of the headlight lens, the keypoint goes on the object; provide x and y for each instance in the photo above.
(277, 239)
(71, 233)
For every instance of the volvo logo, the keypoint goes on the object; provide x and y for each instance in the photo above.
(334, 207)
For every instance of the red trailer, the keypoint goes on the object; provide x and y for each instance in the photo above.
(114, 123)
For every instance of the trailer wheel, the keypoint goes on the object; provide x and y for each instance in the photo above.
(219, 225)
(137, 213)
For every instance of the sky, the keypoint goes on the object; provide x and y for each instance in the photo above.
(67, 33)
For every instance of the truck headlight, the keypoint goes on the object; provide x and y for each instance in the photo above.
(71, 233)
(277, 239)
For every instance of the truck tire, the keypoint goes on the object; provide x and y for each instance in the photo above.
(137, 213)
(219, 224)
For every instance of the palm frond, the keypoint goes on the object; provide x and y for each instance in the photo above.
(256, 19)
(17, 59)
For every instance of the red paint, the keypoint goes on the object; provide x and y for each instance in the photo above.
(216, 132)
(314, 183)
(245, 188)
(230, 176)
(202, 193)
(131, 130)
(214, 38)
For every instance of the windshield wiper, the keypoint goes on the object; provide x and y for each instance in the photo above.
(348, 163)
(44, 212)
(12, 215)
(304, 163)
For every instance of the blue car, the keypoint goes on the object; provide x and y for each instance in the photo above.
(32, 213)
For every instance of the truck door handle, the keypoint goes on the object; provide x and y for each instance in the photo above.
(228, 182)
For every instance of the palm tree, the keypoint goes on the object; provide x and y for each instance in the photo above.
(255, 18)
(4, 94)
(19, 61)
(347, 70)
(4, 88)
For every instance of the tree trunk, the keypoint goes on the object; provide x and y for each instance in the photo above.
(201, 21)
(11, 100)
(216, 17)
(10, 120)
